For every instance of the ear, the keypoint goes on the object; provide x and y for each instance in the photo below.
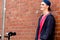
(47, 6)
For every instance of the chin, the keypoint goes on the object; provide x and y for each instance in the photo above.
(41, 9)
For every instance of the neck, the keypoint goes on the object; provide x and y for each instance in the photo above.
(45, 12)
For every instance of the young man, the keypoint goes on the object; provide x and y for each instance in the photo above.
(46, 23)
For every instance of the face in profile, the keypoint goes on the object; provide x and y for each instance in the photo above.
(43, 6)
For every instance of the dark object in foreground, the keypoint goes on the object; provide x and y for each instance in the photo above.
(9, 34)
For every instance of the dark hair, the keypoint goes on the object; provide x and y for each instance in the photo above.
(49, 9)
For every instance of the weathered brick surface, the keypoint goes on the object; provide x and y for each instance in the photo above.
(0, 16)
(56, 12)
(21, 17)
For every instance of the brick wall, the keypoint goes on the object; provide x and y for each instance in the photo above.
(0, 16)
(21, 17)
(56, 12)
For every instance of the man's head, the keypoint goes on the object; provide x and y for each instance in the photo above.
(45, 5)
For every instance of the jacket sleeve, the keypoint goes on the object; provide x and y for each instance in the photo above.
(38, 27)
(49, 27)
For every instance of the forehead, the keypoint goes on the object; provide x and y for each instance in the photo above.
(42, 2)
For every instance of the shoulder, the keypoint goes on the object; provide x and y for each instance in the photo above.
(50, 16)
